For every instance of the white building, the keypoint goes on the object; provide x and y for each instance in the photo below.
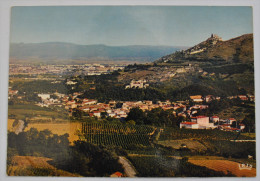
(189, 125)
(203, 122)
(137, 84)
(71, 82)
(44, 96)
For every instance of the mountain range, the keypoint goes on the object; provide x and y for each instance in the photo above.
(61, 50)
(239, 49)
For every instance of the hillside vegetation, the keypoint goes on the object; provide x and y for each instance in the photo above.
(239, 49)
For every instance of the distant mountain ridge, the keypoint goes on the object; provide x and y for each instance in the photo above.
(61, 50)
(239, 49)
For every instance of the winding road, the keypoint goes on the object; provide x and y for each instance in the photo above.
(128, 167)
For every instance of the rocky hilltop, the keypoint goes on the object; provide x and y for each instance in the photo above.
(239, 49)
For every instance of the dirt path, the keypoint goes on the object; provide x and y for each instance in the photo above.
(128, 167)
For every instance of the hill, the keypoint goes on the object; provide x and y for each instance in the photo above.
(239, 49)
(63, 51)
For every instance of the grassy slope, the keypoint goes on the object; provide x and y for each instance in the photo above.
(35, 166)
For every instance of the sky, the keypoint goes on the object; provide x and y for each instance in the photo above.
(128, 25)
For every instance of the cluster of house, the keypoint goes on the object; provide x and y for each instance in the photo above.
(94, 108)
(247, 97)
(208, 98)
(11, 92)
(204, 122)
(121, 109)
(47, 100)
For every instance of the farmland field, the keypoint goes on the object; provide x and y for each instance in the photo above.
(119, 135)
(165, 166)
(191, 144)
(219, 164)
(30, 110)
(55, 128)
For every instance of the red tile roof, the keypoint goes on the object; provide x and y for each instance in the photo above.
(189, 123)
(198, 117)
(201, 116)
(118, 174)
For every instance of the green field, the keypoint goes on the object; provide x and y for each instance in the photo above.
(30, 110)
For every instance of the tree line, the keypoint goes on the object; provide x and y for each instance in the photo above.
(82, 158)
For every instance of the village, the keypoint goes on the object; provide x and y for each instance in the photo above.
(120, 109)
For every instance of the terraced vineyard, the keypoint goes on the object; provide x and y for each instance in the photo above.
(117, 135)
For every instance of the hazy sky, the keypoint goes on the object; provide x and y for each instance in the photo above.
(128, 25)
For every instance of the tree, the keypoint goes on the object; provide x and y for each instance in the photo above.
(131, 122)
(234, 124)
(103, 115)
(77, 113)
(137, 115)
(249, 122)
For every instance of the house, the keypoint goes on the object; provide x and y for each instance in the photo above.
(89, 102)
(13, 92)
(243, 97)
(231, 120)
(117, 174)
(85, 109)
(44, 96)
(251, 97)
(215, 119)
(112, 103)
(74, 106)
(71, 102)
(112, 114)
(203, 106)
(189, 125)
(232, 97)
(97, 114)
(203, 122)
(196, 98)
(217, 98)
(241, 126)
(71, 82)
(209, 98)
(148, 102)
